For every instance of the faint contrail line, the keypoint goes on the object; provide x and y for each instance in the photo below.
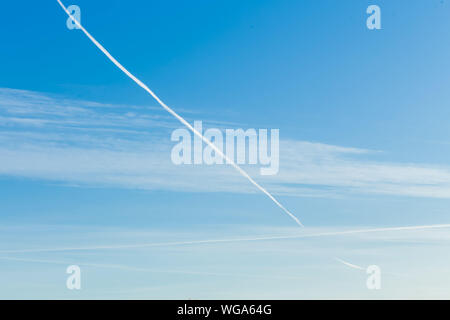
(130, 268)
(348, 264)
(181, 119)
(228, 160)
(195, 242)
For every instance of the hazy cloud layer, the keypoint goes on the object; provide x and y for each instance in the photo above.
(90, 143)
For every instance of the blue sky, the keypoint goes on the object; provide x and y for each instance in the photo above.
(85, 153)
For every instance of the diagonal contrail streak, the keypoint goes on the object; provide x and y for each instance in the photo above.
(197, 242)
(181, 119)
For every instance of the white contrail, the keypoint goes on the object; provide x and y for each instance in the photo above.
(348, 264)
(181, 119)
(196, 242)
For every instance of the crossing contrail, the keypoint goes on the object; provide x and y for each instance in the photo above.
(178, 117)
(211, 241)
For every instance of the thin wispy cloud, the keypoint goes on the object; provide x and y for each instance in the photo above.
(95, 144)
